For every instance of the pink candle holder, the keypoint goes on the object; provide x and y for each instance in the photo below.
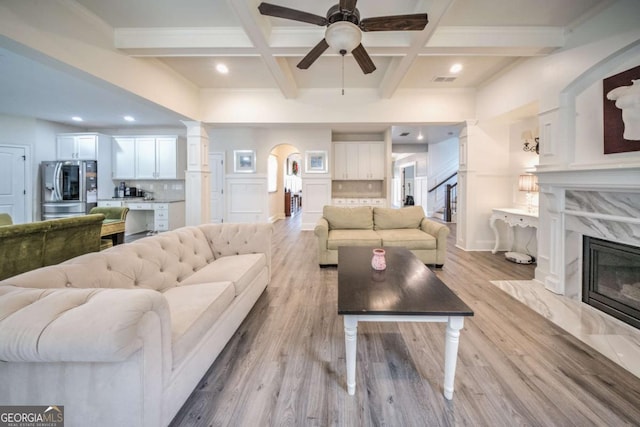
(378, 262)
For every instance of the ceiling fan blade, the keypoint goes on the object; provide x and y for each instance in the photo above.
(363, 59)
(313, 55)
(348, 5)
(414, 22)
(293, 14)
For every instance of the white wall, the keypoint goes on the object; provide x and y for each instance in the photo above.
(263, 141)
(542, 79)
(39, 136)
(320, 106)
(568, 135)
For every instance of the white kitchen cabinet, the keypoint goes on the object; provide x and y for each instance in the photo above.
(371, 160)
(168, 159)
(359, 161)
(146, 158)
(77, 147)
(124, 158)
(162, 216)
(149, 157)
(345, 165)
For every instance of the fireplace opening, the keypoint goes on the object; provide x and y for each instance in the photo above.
(611, 278)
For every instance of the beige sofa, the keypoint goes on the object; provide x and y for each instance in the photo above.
(366, 226)
(123, 336)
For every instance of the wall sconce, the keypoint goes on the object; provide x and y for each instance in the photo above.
(528, 183)
(531, 143)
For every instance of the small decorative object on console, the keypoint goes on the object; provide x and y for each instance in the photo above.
(378, 262)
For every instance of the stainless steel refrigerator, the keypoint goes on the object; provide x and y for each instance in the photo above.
(69, 187)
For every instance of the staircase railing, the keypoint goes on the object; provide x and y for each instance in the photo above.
(435, 187)
(450, 201)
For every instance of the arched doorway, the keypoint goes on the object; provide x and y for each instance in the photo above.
(285, 182)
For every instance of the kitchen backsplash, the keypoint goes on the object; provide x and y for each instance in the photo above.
(162, 190)
(354, 189)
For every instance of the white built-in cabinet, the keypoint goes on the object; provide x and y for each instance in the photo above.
(358, 161)
(149, 157)
(77, 146)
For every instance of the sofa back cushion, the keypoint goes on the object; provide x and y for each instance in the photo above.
(352, 218)
(159, 262)
(387, 218)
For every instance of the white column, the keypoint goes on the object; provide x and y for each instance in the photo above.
(197, 175)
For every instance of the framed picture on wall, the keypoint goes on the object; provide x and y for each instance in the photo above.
(316, 162)
(621, 108)
(244, 161)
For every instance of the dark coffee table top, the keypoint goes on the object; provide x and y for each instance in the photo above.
(406, 287)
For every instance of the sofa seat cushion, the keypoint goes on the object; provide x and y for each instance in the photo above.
(348, 218)
(239, 269)
(408, 238)
(391, 219)
(194, 310)
(339, 238)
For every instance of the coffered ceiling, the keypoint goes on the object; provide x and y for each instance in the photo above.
(261, 52)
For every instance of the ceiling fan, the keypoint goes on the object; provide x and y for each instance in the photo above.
(344, 29)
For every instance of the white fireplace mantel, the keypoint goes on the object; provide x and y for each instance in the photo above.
(596, 200)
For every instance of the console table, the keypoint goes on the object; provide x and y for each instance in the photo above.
(513, 218)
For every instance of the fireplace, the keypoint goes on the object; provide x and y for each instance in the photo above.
(611, 278)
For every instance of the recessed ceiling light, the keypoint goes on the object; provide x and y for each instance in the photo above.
(222, 69)
(420, 137)
(76, 118)
(129, 118)
(455, 68)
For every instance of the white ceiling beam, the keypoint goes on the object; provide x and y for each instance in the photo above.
(255, 28)
(296, 41)
(400, 66)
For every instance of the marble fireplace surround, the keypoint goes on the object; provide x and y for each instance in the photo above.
(599, 201)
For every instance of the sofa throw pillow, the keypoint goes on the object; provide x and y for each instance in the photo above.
(354, 218)
(388, 219)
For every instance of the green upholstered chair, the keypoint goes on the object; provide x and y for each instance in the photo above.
(5, 219)
(25, 247)
(111, 214)
(118, 214)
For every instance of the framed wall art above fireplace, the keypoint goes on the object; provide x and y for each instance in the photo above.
(621, 112)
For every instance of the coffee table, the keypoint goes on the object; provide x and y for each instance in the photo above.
(406, 291)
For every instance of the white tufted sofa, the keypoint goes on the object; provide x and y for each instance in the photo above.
(122, 336)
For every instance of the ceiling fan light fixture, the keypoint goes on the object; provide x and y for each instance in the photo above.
(343, 36)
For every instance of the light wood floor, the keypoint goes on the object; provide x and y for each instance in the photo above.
(285, 365)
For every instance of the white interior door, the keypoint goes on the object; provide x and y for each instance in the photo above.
(216, 165)
(13, 194)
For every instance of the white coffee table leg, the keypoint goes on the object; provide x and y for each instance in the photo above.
(451, 353)
(350, 343)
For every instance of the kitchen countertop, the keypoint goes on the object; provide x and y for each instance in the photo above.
(140, 199)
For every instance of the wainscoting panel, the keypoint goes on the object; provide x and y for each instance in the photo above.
(247, 199)
(316, 193)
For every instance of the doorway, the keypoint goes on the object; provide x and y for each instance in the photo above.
(13, 182)
(285, 195)
(408, 185)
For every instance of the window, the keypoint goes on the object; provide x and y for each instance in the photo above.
(273, 173)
